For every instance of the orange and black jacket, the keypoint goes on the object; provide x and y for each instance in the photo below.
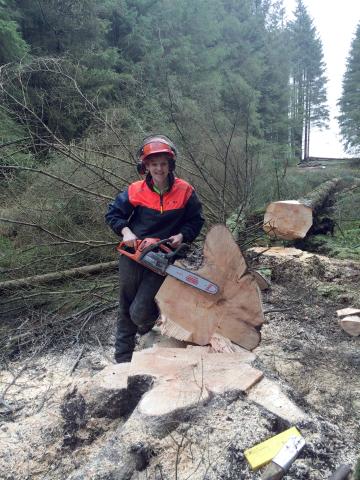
(149, 214)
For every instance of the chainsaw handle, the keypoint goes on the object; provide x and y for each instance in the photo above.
(176, 252)
(142, 247)
(130, 252)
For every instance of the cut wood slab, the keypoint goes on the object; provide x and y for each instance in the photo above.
(351, 325)
(345, 312)
(270, 396)
(234, 312)
(187, 377)
(220, 344)
(282, 252)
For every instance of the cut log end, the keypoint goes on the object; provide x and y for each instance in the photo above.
(287, 220)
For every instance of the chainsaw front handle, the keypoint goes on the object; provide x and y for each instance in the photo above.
(143, 247)
(177, 251)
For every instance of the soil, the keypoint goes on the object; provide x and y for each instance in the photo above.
(302, 348)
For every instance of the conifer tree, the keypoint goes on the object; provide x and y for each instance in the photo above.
(308, 82)
(12, 45)
(274, 101)
(349, 103)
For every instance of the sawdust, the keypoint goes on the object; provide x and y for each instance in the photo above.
(302, 348)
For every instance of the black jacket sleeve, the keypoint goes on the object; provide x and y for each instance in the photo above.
(119, 212)
(193, 219)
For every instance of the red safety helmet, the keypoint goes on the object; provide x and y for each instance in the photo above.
(153, 145)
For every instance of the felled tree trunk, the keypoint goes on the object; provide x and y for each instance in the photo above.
(58, 276)
(235, 312)
(292, 219)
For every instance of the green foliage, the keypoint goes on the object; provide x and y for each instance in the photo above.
(12, 45)
(332, 292)
(12, 138)
(57, 27)
(349, 104)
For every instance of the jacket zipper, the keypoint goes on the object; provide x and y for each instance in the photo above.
(161, 203)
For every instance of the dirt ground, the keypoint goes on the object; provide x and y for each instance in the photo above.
(302, 348)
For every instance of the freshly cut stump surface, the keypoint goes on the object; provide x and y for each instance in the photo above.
(187, 377)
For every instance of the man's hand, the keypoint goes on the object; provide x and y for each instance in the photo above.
(175, 240)
(129, 237)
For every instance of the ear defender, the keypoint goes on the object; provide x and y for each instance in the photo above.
(171, 164)
(141, 169)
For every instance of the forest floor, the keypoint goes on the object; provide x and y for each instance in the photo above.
(302, 348)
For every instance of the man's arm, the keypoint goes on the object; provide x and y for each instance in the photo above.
(119, 212)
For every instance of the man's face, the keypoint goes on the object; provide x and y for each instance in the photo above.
(158, 166)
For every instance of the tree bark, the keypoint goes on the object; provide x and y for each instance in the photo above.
(57, 276)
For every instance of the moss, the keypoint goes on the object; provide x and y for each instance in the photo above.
(345, 244)
(331, 291)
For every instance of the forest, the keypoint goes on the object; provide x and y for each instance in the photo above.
(235, 85)
(239, 88)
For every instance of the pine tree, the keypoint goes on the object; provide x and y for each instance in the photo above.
(12, 45)
(308, 82)
(274, 101)
(349, 103)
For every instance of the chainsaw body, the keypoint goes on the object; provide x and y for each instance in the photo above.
(153, 253)
(156, 255)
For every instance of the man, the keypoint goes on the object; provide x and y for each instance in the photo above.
(160, 206)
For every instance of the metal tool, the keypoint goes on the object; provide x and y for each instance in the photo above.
(157, 255)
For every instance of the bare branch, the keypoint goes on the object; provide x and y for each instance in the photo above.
(13, 142)
(55, 177)
(52, 234)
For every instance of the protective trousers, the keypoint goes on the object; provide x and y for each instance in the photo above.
(137, 308)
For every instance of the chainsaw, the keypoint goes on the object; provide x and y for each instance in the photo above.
(156, 255)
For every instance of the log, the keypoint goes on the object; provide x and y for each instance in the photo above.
(345, 312)
(57, 276)
(235, 312)
(292, 219)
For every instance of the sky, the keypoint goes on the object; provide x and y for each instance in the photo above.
(335, 22)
